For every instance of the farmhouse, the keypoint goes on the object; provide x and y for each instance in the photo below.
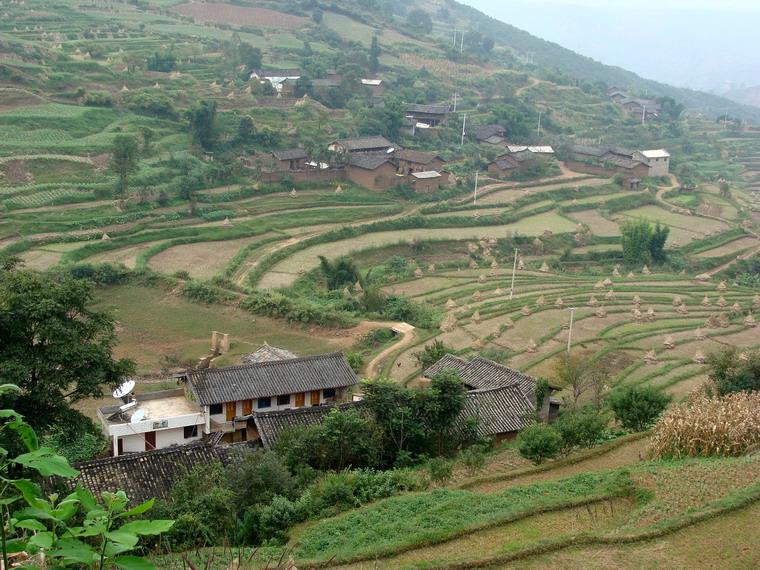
(658, 161)
(481, 374)
(281, 80)
(430, 115)
(362, 144)
(373, 171)
(638, 108)
(229, 395)
(270, 425)
(503, 166)
(290, 159)
(491, 134)
(517, 158)
(607, 160)
(408, 161)
(427, 181)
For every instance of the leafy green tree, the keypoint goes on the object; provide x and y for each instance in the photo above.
(339, 273)
(445, 401)
(249, 56)
(431, 353)
(670, 109)
(733, 374)
(163, 62)
(202, 119)
(374, 55)
(637, 407)
(54, 345)
(580, 428)
(539, 442)
(125, 153)
(246, 131)
(148, 135)
(643, 243)
(580, 375)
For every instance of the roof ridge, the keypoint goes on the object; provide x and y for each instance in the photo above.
(272, 362)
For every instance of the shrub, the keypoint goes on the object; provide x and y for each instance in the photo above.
(727, 425)
(355, 360)
(474, 457)
(636, 408)
(539, 442)
(733, 374)
(431, 354)
(440, 469)
(205, 293)
(580, 428)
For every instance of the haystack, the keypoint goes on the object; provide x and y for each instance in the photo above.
(451, 304)
(706, 302)
(541, 301)
(699, 358)
(532, 346)
(601, 312)
(650, 357)
(592, 302)
(669, 343)
(749, 321)
(544, 268)
(559, 303)
(699, 334)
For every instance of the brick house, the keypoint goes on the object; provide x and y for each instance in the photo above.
(408, 161)
(431, 115)
(373, 171)
(427, 181)
(289, 159)
(658, 161)
(374, 144)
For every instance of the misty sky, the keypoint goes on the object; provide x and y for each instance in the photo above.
(703, 44)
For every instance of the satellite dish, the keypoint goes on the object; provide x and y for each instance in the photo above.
(391, 150)
(128, 406)
(124, 390)
(138, 416)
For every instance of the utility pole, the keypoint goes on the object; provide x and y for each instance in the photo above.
(464, 123)
(475, 196)
(461, 45)
(455, 101)
(514, 268)
(570, 330)
(644, 115)
(539, 123)
(454, 45)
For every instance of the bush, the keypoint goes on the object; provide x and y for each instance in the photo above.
(733, 374)
(474, 457)
(580, 428)
(539, 442)
(728, 425)
(440, 469)
(205, 293)
(355, 360)
(636, 408)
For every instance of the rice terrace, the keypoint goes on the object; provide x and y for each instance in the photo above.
(368, 284)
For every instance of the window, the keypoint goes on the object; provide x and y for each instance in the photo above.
(191, 431)
(329, 392)
(264, 403)
(215, 409)
(283, 400)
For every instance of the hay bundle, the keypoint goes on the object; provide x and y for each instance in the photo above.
(544, 268)
(477, 296)
(520, 264)
(508, 323)
(601, 312)
(669, 343)
(699, 334)
(645, 270)
(706, 302)
(526, 311)
(722, 302)
(637, 315)
(451, 304)
(650, 314)
(541, 301)
(756, 301)
(532, 346)
(682, 310)
(449, 323)
(482, 278)
(431, 268)
(559, 303)
(476, 316)
(474, 264)
(722, 287)
(750, 322)
(418, 273)
(616, 272)
(650, 357)
(630, 275)
(736, 309)
(609, 295)
(636, 300)
(699, 357)
(677, 301)
(358, 288)
(592, 302)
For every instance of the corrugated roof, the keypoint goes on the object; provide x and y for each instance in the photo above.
(428, 109)
(271, 424)
(364, 143)
(268, 353)
(372, 82)
(426, 175)
(149, 474)
(289, 154)
(274, 378)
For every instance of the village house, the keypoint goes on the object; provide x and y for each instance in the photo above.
(376, 144)
(373, 171)
(607, 160)
(282, 80)
(375, 87)
(229, 395)
(427, 181)
(289, 159)
(491, 134)
(518, 157)
(658, 161)
(646, 109)
(408, 161)
(430, 115)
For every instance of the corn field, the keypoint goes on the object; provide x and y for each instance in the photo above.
(704, 426)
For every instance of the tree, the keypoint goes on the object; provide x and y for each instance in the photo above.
(579, 374)
(643, 243)
(539, 442)
(148, 135)
(580, 428)
(249, 56)
(669, 109)
(446, 402)
(733, 374)
(374, 55)
(339, 273)
(202, 119)
(420, 20)
(54, 346)
(725, 188)
(124, 156)
(431, 353)
(163, 62)
(246, 129)
(636, 408)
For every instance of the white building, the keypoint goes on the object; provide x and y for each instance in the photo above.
(658, 161)
(154, 421)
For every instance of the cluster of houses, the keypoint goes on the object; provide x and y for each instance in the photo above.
(283, 81)
(156, 436)
(643, 109)
(373, 162)
(635, 164)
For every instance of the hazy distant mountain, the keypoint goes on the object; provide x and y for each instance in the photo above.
(746, 96)
(707, 49)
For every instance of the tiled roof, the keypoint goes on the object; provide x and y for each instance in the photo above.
(289, 154)
(428, 174)
(428, 109)
(271, 424)
(626, 163)
(368, 161)
(498, 410)
(150, 474)
(364, 143)
(416, 156)
(484, 132)
(268, 354)
(325, 83)
(504, 164)
(274, 378)
(481, 374)
(597, 151)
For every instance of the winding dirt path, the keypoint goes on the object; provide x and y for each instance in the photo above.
(408, 336)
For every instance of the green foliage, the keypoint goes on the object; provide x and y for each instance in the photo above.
(163, 62)
(440, 470)
(54, 345)
(580, 428)
(431, 353)
(643, 243)
(637, 407)
(79, 439)
(539, 442)
(733, 374)
(203, 292)
(124, 156)
(203, 127)
(355, 360)
(340, 273)
(72, 531)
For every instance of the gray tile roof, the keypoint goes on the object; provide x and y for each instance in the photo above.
(498, 410)
(268, 353)
(274, 378)
(597, 151)
(504, 164)
(428, 109)
(364, 143)
(483, 374)
(149, 474)
(416, 156)
(368, 161)
(485, 132)
(271, 424)
(289, 154)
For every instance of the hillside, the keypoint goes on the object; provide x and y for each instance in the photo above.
(746, 96)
